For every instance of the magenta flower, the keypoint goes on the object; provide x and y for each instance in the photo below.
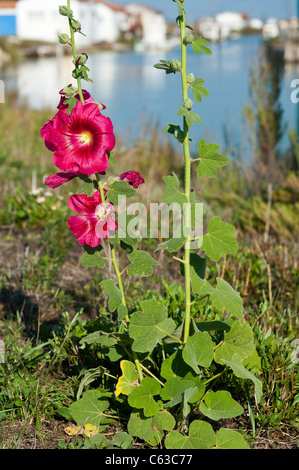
(80, 140)
(132, 177)
(96, 220)
(53, 181)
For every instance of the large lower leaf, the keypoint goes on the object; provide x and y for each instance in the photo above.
(198, 351)
(201, 436)
(142, 397)
(151, 430)
(230, 439)
(90, 408)
(149, 327)
(220, 405)
(237, 341)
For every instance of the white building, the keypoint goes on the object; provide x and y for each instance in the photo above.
(271, 29)
(222, 25)
(151, 24)
(40, 20)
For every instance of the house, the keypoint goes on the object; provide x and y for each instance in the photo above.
(222, 26)
(209, 29)
(271, 29)
(148, 26)
(8, 18)
(39, 20)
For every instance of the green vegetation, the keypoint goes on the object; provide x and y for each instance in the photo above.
(49, 303)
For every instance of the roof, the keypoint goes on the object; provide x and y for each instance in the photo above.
(113, 6)
(8, 4)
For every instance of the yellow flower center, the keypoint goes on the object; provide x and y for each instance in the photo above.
(85, 137)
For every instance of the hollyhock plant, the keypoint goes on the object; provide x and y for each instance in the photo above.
(96, 221)
(132, 177)
(80, 140)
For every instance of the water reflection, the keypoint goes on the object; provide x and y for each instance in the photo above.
(129, 85)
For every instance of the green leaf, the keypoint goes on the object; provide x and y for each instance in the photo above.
(172, 192)
(199, 45)
(198, 351)
(122, 440)
(219, 240)
(210, 159)
(126, 232)
(230, 439)
(199, 90)
(240, 371)
(220, 405)
(175, 367)
(114, 298)
(142, 397)
(174, 244)
(120, 188)
(197, 271)
(150, 326)
(237, 341)
(92, 258)
(175, 389)
(128, 381)
(190, 116)
(90, 408)
(201, 436)
(224, 297)
(141, 263)
(151, 430)
(213, 326)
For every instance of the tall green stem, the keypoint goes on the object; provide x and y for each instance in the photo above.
(121, 288)
(187, 219)
(75, 54)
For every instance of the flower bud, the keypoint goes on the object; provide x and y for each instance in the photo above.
(65, 11)
(190, 78)
(63, 38)
(176, 64)
(76, 25)
(189, 38)
(188, 104)
(81, 59)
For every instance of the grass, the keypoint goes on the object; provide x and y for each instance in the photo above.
(48, 302)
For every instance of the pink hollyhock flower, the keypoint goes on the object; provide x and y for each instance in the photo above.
(80, 140)
(53, 181)
(46, 129)
(132, 177)
(96, 220)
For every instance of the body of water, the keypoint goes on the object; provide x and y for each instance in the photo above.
(135, 93)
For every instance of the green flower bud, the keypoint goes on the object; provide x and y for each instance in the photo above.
(81, 59)
(76, 25)
(63, 38)
(65, 11)
(189, 38)
(188, 104)
(190, 78)
(176, 64)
